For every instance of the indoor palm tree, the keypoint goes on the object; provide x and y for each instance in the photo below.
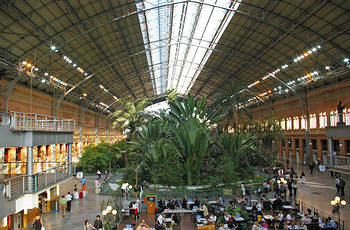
(130, 117)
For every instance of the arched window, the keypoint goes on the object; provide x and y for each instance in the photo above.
(289, 123)
(302, 122)
(313, 122)
(283, 124)
(334, 118)
(296, 122)
(323, 120)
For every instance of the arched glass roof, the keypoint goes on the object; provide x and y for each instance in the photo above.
(95, 52)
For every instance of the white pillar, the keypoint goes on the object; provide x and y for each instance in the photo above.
(30, 167)
(70, 168)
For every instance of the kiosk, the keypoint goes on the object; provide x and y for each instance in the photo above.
(150, 201)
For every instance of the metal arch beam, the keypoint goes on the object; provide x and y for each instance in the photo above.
(218, 51)
(301, 24)
(116, 19)
(127, 48)
(98, 46)
(75, 25)
(285, 33)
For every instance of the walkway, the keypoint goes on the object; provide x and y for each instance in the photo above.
(85, 209)
(319, 189)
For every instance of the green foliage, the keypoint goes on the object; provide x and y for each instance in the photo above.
(181, 146)
(102, 156)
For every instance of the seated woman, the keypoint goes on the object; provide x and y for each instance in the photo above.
(143, 226)
(306, 219)
(212, 218)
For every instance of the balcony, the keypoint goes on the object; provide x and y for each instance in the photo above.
(37, 122)
(17, 186)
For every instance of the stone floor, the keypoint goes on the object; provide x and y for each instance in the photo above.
(318, 190)
(84, 209)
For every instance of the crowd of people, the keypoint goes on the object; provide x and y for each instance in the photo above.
(273, 206)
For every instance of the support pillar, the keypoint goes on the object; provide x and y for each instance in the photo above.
(30, 168)
(301, 150)
(287, 149)
(70, 168)
(330, 150)
(281, 150)
(342, 147)
(293, 150)
(319, 150)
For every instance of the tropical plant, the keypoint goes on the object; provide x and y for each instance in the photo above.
(130, 116)
(237, 152)
(96, 157)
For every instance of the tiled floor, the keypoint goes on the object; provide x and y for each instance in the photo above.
(318, 190)
(84, 209)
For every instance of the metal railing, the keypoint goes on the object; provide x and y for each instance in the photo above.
(27, 184)
(303, 207)
(317, 121)
(334, 161)
(19, 167)
(38, 122)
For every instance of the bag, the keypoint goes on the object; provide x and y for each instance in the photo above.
(42, 228)
(135, 211)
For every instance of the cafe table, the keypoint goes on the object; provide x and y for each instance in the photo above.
(268, 217)
(238, 218)
(288, 207)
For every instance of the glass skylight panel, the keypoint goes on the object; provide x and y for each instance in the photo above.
(176, 53)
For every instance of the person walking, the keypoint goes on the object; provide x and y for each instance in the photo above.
(295, 186)
(63, 204)
(98, 223)
(84, 189)
(37, 223)
(69, 201)
(337, 184)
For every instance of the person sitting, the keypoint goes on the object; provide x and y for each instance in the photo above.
(161, 219)
(306, 219)
(212, 218)
(259, 208)
(161, 204)
(205, 211)
(227, 218)
(331, 223)
(184, 202)
(256, 226)
(196, 201)
(143, 226)
(219, 200)
(206, 201)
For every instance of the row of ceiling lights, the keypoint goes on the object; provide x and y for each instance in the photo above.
(283, 67)
(80, 70)
(313, 76)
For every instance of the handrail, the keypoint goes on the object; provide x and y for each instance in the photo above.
(40, 122)
(19, 167)
(29, 184)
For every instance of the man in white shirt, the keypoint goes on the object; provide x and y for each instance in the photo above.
(280, 217)
(258, 207)
(161, 219)
(69, 198)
